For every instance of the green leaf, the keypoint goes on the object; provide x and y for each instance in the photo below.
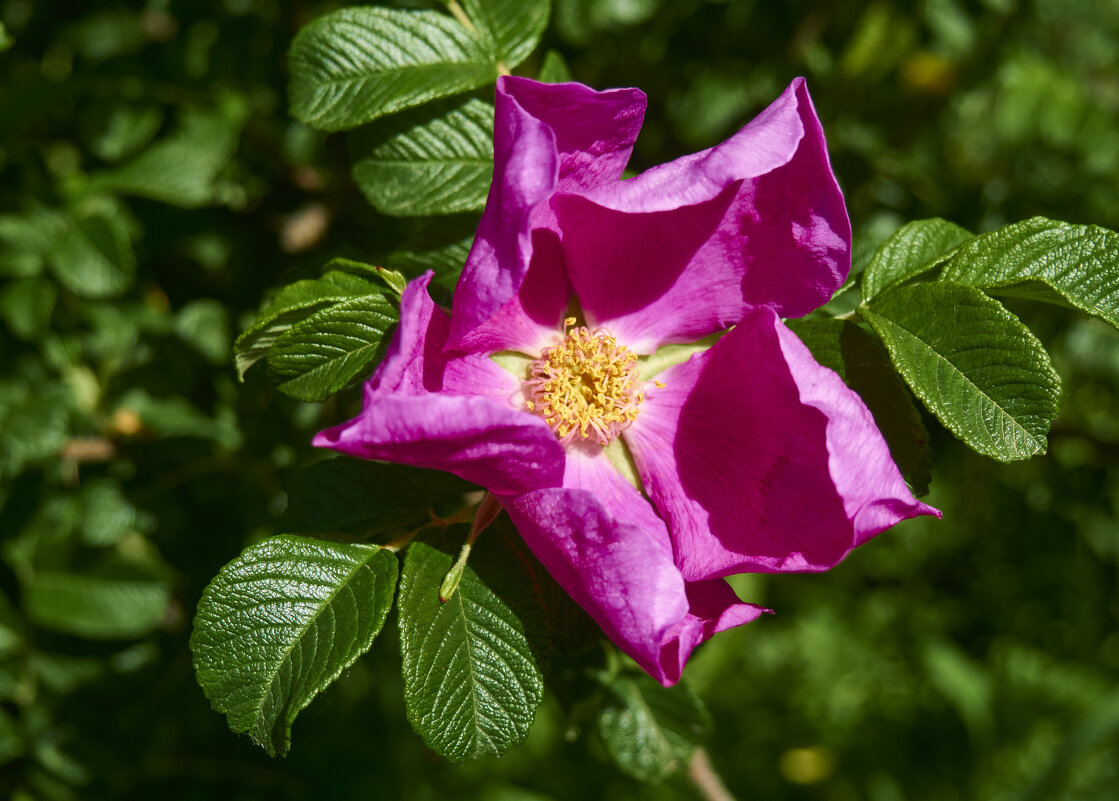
(294, 303)
(183, 168)
(1077, 265)
(511, 29)
(111, 600)
(92, 256)
(650, 731)
(865, 366)
(366, 498)
(281, 622)
(441, 246)
(977, 368)
(473, 666)
(914, 248)
(204, 324)
(6, 39)
(357, 64)
(26, 304)
(433, 160)
(326, 352)
(554, 69)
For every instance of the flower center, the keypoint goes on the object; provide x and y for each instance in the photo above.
(586, 386)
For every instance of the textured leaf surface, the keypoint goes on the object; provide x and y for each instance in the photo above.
(914, 248)
(473, 672)
(281, 622)
(865, 366)
(1045, 260)
(510, 29)
(324, 353)
(292, 304)
(650, 730)
(434, 160)
(977, 368)
(358, 64)
(367, 498)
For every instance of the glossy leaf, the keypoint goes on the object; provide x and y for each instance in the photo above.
(1077, 265)
(434, 160)
(292, 304)
(865, 366)
(281, 622)
(327, 351)
(510, 29)
(650, 731)
(914, 248)
(357, 64)
(473, 666)
(977, 368)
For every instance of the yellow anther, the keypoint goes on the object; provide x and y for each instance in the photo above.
(585, 386)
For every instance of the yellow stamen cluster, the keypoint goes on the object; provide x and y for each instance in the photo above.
(586, 386)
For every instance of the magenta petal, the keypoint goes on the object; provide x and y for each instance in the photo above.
(594, 131)
(642, 276)
(412, 414)
(782, 241)
(546, 137)
(602, 541)
(762, 460)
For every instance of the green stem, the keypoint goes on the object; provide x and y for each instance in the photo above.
(460, 15)
(488, 510)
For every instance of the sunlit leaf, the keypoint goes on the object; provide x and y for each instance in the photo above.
(913, 249)
(281, 622)
(977, 368)
(473, 666)
(434, 160)
(511, 29)
(357, 64)
(1077, 265)
(330, 349)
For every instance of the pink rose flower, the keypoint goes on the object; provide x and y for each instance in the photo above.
(616, 372)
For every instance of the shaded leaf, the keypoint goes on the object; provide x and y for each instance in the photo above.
(650, 731)
(92, 256)
(434, 160)
(113, 600)
(366, 498)
(357, 64)
(473, 666)
(865, 367)
(914, 248)
(182, 169)
(1076, 265)
(977, 368)
(327, 351)
(554, 69)
(281, 622)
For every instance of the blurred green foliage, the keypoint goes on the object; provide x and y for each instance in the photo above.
(152, 186)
